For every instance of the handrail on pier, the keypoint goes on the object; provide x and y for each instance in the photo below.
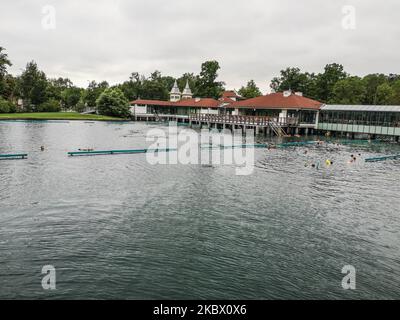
(243, 120)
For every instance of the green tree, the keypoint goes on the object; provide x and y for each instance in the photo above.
(55, 87)
(293, 79)
(33, 86)
(372, 83)
(6, 106)
(395, 100)
(4, 64)
(70, 97)
(93, 92)
(207, 86)
(326, 81)
(384, 94)
(155, 87)
(8, 87)
(51, 105)
(348, 91)
(132, 88)
(250, 91)
(112, 102)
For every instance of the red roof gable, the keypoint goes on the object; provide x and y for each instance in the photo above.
(230, 94)
(195, 102)
(278, 101)
(152, 102)
(225, 100)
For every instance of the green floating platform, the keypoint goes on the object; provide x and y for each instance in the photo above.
(14, 156)
(384, 158)
(296, 144)
(350, 142)
(241, 146)
(114, 152)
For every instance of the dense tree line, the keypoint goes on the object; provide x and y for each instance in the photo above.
(39, 93)
(335, 86)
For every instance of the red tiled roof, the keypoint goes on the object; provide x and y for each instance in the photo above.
(152, 102)
(278, 101)
(226, 100)
(195, 102)
(230, 94)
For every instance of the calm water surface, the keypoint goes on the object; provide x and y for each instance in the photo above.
(118, 227)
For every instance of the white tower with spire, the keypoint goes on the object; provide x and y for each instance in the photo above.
(175, 94)
(187, 93)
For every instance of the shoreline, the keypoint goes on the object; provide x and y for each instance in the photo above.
(57, 116)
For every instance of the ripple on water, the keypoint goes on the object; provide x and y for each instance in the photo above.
(117, 227)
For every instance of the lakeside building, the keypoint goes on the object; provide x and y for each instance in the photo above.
(280, 105)
(180, 104)
(371, 121)
(275, 105)
(281, 113)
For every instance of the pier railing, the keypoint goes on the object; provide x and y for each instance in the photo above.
(244, 120)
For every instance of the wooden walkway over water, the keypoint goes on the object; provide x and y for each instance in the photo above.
(261, 124)
(267, 125)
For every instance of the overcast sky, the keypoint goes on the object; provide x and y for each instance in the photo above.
(251, 39)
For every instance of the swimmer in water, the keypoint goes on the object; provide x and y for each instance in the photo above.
(42, 148)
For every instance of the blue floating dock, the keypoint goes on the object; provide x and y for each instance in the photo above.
(357, 142)
(241, 146)
(296, 144)
(114, 152)
(14, 156)
(384, 158)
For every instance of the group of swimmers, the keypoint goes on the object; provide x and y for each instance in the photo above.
(317, 165)
(328, 162)
(353, 158)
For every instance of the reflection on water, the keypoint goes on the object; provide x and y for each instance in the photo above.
(117, 227)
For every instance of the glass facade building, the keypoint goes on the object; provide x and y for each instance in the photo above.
(374, 120)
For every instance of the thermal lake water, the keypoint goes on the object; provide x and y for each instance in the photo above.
(117, 227)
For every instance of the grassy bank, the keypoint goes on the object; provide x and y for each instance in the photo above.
(56, 116)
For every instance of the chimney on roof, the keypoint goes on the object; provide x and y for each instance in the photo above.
(298, 93)
(287, 93)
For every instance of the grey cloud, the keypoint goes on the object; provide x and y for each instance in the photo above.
(253, 39)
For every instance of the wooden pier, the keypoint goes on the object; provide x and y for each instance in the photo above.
(268, 125)
(260, 124)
